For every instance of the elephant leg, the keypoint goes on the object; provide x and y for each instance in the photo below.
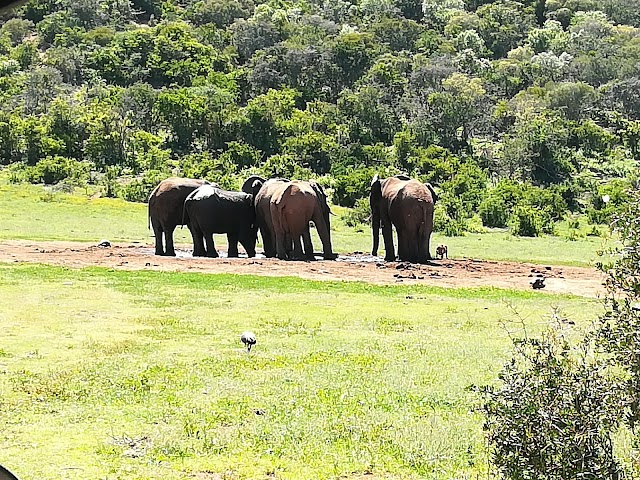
(168, 240)
(279, 233)
(389, 249)
(157, 232)
(210, 246)
(325, 235)
(232, 240)
(198, 241)
(268, 241)
(308, 245)
(297, 253)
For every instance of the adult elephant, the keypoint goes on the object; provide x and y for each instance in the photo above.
(293, 205)
(213, 210)
(165, 210)
(263, 190)
(408, 205)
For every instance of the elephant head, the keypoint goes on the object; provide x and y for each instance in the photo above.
(375, 198)
(253, 184)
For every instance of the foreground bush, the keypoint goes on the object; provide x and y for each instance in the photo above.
(553, 416)
(559, 405)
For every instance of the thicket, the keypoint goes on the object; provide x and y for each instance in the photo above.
(561, 402)
(518, 112)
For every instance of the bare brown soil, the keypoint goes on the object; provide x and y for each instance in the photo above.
(446, 273)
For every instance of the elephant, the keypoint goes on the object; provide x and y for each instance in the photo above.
(213, 210)
(263, 190)
(293, 205)
(165, 210)
(408, 205)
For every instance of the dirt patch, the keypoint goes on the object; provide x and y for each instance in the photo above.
(446, 273)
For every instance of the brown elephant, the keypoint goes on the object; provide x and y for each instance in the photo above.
(293, 205)
(408, 205)
(165, 209)
(263, 191)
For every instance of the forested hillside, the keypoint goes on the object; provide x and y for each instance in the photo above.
(518, 112)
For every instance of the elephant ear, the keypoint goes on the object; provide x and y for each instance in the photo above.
(376, 189)
(434, 195)
(322, 196)
(403, 177)
(249, 184)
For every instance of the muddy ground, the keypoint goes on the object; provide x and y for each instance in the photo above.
(356, 266)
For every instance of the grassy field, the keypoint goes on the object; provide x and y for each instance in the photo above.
(29, 212)
(149, 380)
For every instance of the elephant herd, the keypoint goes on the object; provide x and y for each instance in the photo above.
(281, 210)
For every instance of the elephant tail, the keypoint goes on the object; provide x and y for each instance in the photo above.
(185, 216)
(279, 206)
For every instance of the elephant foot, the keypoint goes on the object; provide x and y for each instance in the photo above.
(388, 258)
(160, 253)
(212, 255)
(233, 254)
(330, 256)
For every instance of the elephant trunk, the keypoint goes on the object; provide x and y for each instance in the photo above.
(375, 230)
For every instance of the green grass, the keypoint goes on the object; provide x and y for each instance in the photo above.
(28, 212)
(148, 379)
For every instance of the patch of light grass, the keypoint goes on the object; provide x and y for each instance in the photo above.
(148, 379)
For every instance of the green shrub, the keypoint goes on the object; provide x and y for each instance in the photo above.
(359, 214)
(350, 187)
(552, 416)
(493, 211)
(138, 190)
(52, 170)
(525, 221)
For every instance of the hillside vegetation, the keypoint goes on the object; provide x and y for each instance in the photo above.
(519, 112)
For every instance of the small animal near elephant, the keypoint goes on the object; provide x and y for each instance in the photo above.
(166, 207)
(263, 190)
(213, 210)
(408, 205)
(442, 252)
(293, 205)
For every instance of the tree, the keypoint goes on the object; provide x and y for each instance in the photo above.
(503, 25)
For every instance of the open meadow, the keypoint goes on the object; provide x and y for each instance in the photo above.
(114, 374)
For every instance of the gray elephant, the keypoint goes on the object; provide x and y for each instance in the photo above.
(408, 205)
(165, 210)
(293, 205)
(213, 210)
(263, 190)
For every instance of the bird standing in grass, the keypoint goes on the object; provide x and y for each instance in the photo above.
(249, 339)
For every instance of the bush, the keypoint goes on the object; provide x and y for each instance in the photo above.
(552, 417)
(525, 221)
(493, 211)
(359, 215)
(138, 190)
(559, 406)
(51, 170)
(355, 185)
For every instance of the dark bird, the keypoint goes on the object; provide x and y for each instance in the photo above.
(249, 339)
(538, 283)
